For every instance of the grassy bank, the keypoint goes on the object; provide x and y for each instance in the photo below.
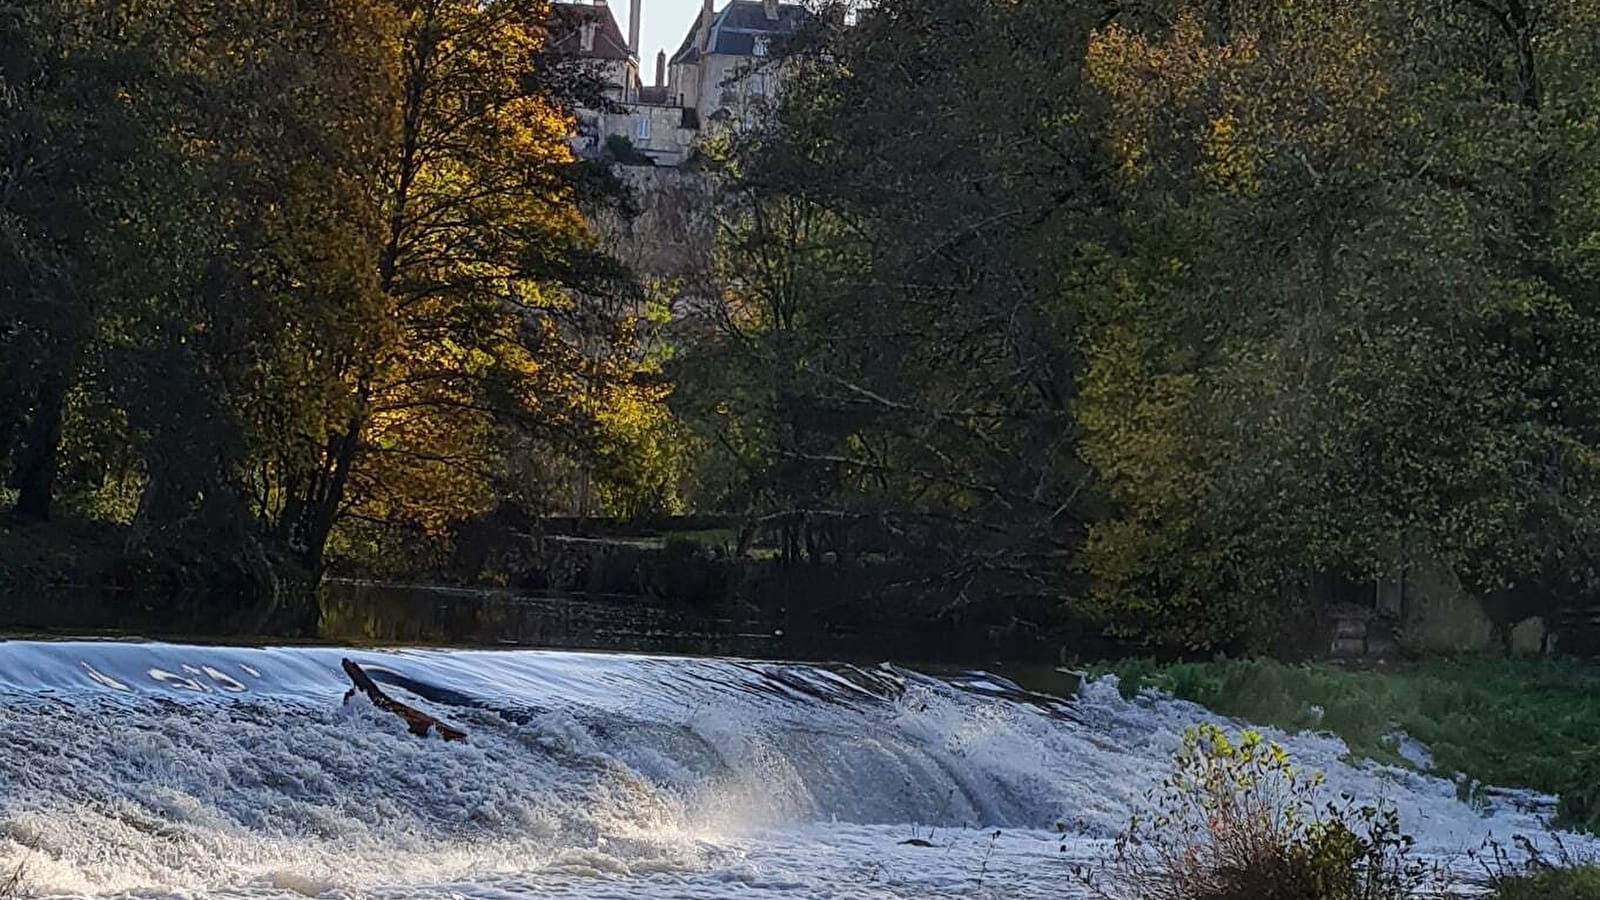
(1578, 883)
(1506, 722)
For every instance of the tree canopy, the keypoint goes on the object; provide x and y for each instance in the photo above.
(1147, 313)
(1168, 309)
(277, 274)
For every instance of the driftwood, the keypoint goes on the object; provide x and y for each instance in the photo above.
(416, 720)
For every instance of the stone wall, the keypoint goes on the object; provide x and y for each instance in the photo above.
(659, 132)
(1421, 610)
(671, 239)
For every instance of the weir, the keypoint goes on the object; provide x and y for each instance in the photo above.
(232, 771)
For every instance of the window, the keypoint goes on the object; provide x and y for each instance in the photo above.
(758, 85)
(641, 128)
(761, 47)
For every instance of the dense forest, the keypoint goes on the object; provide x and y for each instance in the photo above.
(1146, 312)
(1166, 308)
(282, 276)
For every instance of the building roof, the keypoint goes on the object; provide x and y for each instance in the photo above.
(566, 31)
(735, 29)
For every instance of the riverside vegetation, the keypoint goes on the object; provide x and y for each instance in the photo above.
(1157, 311)
(1236, 820)
(1137, 314)
(1558, 883)
(1501, 722)
(282, 277)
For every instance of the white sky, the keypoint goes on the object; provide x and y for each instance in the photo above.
(665, 22)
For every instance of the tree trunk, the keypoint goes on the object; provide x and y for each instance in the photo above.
(323, 511)
(35, 473)
(10, 424)
(11, 412)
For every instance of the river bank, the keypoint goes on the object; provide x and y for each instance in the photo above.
(1478, 720)
(680, 588)
(80, 576)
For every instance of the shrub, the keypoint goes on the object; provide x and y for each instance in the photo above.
(1580, 794)
(1533, 874)
(1581, 883)
(1236, 821)
(620, 148)
(1520, 723)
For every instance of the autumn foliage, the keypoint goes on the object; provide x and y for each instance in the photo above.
(276, 274)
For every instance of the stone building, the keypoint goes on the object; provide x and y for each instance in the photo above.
(723, 70)
(589, 31)
(719, 77)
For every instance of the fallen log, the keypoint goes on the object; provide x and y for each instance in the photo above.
(416, 720)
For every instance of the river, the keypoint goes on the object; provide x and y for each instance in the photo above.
(165, 770)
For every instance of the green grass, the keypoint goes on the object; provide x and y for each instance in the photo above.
(1578, 883)
(1517, 723)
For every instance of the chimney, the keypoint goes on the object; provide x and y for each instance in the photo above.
(661, 68)
(771, 7)
(633, 28)
(708, 12)
(586, 36)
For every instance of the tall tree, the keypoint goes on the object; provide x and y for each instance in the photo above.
(895, 325)
(77, 157)
(276, 265)
(497, 312)
(1303, 364)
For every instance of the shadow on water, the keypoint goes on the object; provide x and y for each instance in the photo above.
(379, 615)
(368, 612)
(356, 612)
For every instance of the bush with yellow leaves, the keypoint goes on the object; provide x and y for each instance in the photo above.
(1236, 821)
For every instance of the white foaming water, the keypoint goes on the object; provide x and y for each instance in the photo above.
(163, 770)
